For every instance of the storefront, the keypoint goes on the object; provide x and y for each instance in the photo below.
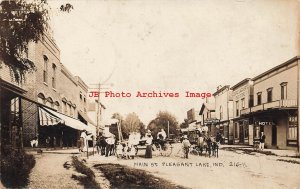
(280, 128)
(59, 130)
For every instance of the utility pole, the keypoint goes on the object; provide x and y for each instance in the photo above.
(98, 109)
(168, 129)
(298, 99)
(99, 105)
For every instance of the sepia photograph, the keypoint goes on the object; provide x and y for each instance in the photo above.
(150, 94)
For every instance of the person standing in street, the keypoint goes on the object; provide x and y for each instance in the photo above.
(149, 138)
(186, 146)
(262, 141)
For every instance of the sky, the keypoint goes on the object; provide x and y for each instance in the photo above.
(172, 46)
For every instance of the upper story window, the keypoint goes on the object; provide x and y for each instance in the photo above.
(80, 95)
(259, 98)
(84, 99)
(54, 76)
(243, 103)
(237, 108)
(269, 93)
(283, 90)
(45, 71)
(221, 112)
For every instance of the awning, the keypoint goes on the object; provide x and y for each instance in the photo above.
(50, 117)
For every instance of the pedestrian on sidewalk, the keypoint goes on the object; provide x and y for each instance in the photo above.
(262, 141)
(83, 142)
(186, 146)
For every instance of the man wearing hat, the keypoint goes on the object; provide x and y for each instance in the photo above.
(186, 146)
(83, 141)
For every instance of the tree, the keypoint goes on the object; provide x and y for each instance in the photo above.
(113, 128)
(161, 121)
(132, 123)
(21, 23)
(184, 124)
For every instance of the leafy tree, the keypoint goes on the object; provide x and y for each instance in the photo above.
(114, 129)
(132, 123)
(184, 124)
(161, 121)
(22, 22)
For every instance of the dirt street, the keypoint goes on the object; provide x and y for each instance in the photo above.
(233, 169)
(230, 170)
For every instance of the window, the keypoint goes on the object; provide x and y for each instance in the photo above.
(269, 93)
(259, 98)
(69, 110)
(54, 76)
(283, 90)
(243, 103)
(237, 108)
(80, 95)
(84, 99)
(45, 72)
(221, 112)
(292, 130)
(65, 110)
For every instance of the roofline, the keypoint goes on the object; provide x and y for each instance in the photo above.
(292, 60)
(220, 90)
(240, 83)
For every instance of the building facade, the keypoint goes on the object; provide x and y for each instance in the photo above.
(242, 95)
(208, 116)
(224, 113)
(52, 87)
(276, 106)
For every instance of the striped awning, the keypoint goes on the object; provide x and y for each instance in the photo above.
(49, 117)
(46, 119)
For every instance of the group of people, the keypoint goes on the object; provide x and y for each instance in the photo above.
(124, 151)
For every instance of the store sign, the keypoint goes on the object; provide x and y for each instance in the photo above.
(262, 123)
(211, 121)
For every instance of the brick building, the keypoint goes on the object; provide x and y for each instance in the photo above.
(50, 89)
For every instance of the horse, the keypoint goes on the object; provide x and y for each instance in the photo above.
(101, 145)
(202, 144)
(213, 147)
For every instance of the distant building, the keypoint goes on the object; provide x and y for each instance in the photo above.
(208, 116)
(223, 109)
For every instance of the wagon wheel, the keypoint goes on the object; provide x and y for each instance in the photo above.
(166, 150)
(195, 151)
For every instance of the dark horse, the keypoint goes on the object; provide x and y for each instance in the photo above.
(101, 145)
(212, 147)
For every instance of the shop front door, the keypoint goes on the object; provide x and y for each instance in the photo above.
(274, 135)
(241, 133)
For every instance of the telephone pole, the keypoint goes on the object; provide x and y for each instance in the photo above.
(99, 105)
